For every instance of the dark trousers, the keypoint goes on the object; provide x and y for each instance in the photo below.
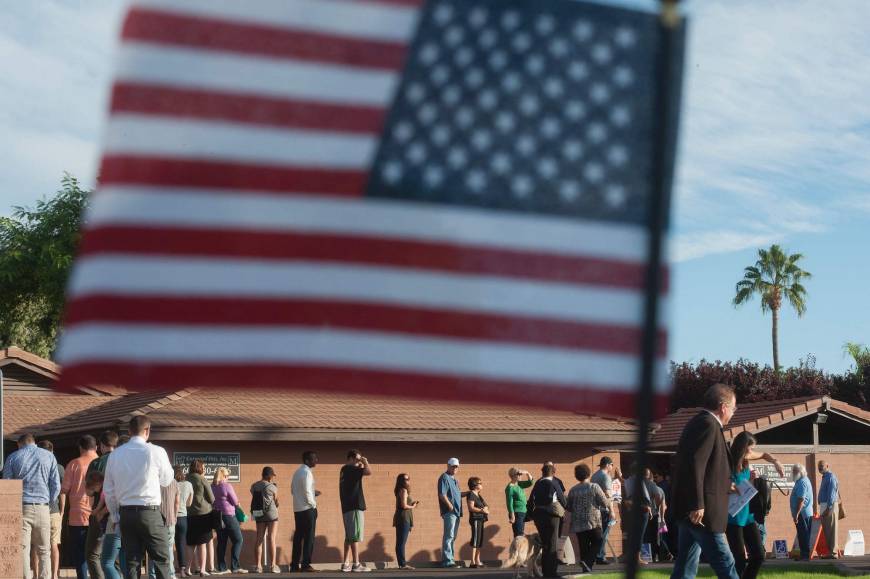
(303, 538)
(403, 529)
(229, 530)
(605, 531)
(589, 544)
(519, 524)
(746, 547)
(144, 531)
(77, 542)
(548, 529)
(180, 541)
(803, 526)
(94, 548)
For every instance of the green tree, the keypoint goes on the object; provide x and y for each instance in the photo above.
(861, 355)
(775, 276)
(37, 246)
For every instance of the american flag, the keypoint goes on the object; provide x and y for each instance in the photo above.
(444, 199)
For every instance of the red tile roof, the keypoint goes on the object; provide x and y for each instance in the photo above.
(753, 417)
(263, 411)
(32, 412)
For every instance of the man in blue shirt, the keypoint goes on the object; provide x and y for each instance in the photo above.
(801, 502)
(36, 468)
(829, 496)
(450, 501)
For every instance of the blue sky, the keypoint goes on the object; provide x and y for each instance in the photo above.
(774, 148)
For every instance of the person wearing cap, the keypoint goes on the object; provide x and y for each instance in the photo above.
(450, 502)
(603, 477)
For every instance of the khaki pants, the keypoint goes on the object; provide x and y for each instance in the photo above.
(829, 527)
(36, 531)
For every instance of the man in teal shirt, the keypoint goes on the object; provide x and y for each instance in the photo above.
(450, 501)
(801, 502)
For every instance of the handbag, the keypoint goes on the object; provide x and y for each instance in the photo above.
(556, 509)
(240, 514)
(841, 514)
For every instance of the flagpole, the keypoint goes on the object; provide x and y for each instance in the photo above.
(670, 25)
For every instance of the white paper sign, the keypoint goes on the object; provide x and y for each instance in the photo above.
(741, 498)
(855, 544)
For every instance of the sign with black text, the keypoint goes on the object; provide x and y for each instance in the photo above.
(768, 471)
(212, 461)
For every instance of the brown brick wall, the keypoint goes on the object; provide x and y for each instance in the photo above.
(423, 461)
(852, 472)
(10, 529)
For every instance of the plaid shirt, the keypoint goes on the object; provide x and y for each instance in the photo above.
(585, 503)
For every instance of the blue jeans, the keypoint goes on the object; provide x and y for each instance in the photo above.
(605, 532)
(232, 532)
(111, 552)
(403, 529)
(451, 527)
(152, 568)
(762, 530)
(803, 526)
(693, 540)
(519, 524)
(77, 537)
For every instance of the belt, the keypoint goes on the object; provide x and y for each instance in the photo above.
(35, 504)
(140, 507)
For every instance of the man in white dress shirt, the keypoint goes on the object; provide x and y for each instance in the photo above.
(134, 474)
(304, 513)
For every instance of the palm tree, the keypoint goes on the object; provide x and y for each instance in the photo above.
(776, 275)
(861, 355)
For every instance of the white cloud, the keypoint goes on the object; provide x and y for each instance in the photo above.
(55, 69)
(776, 123)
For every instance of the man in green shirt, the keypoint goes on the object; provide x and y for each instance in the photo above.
(516, 499)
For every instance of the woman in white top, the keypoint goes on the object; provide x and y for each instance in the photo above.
(185, 498)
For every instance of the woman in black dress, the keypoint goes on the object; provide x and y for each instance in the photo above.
(200, 521)
(478, 513)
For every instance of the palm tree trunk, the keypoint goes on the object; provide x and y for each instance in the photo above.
(775, 336)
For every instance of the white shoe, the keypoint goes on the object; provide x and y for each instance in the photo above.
(346, 568)
(275, 569)
(361, 568)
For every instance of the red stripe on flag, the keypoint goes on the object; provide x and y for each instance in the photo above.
(244, 108)
(150, 376)
(246, 38)
(449, 257)
(170, 172)
(358, 316)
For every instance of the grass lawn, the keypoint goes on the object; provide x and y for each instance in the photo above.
(804, 572)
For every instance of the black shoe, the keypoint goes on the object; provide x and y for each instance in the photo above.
(602, 562)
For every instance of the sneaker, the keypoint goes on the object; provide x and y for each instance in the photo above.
(258, 570)
(346, 567)
(275, 569)
(360, 568)
(407, 567)
(239, 571)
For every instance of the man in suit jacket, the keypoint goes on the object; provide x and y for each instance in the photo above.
(702, 481)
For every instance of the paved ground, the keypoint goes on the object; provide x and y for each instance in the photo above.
(853, 565)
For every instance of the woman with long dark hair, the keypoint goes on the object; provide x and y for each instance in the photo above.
(403, 519)
(743, 534)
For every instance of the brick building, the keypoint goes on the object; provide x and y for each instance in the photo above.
(257, 428)
(801, 430)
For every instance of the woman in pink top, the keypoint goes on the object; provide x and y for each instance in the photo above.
(225, 502)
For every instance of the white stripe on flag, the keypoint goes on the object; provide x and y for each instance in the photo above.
(122, 274)
(354, 19)
(343, 348)
(243, 210)
(210, 70)
(192, 139)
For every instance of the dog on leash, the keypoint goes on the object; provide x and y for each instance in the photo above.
(525, 551)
